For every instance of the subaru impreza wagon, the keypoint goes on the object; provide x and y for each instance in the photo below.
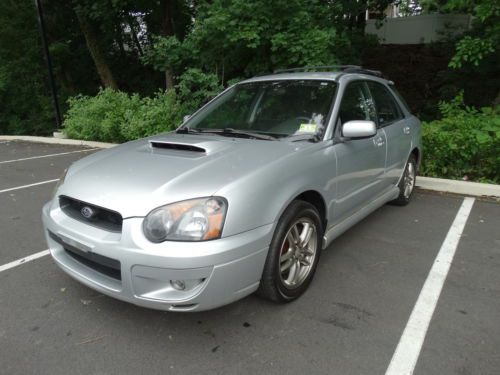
(242, 197)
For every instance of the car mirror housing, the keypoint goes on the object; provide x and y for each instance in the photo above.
(357, 129)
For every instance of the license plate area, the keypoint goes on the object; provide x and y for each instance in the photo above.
(107, 266)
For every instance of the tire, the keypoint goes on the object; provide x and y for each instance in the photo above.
(299, 219)
(407, 184)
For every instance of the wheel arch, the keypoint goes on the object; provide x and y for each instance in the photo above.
(316, 199)
(418, 155)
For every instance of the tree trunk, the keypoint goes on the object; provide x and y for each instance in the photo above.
(361, 22)
(119, 38)
(169, 80)
(497, 100)
(98, 56)
(168, 30)
(131, 23)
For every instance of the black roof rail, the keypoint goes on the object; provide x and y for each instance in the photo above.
(316, 68)
(360, 70)
(324, 68)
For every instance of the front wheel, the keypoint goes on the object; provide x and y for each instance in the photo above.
(293, 254)
(407, 183)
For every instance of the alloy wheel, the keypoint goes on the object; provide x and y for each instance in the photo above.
(409, 180)
(298, 252)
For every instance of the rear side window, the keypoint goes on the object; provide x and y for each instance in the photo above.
(388, 110)
(356, 104)
(401, 99)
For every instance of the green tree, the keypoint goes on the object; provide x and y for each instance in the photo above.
(472, 48)
(24, 105)
(235, 38)
(168, 18)
(141, 45)
(479, 44)
(91, 33)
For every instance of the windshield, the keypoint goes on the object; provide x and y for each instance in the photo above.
(276, 108)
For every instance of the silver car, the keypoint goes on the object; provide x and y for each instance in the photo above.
(242, 197)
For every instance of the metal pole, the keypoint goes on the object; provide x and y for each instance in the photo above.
(41, 23)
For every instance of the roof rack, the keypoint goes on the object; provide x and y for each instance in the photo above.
(361, 70)
(343, 68)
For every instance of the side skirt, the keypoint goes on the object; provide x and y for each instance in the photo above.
(341, 227)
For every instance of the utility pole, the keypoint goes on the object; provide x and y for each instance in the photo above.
(41, 23)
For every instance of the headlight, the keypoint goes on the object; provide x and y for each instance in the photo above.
(60, 182)
(193, 220)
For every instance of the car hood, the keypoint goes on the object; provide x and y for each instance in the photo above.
(136, 177)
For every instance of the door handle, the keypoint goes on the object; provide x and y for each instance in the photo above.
(379, 141)
(406, 130)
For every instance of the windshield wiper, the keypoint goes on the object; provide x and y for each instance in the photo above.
(230, 132)
(227, 132)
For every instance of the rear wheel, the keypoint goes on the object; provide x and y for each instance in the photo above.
(293, 254)
(407, 183)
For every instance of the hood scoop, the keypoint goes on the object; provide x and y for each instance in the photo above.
(177, 146)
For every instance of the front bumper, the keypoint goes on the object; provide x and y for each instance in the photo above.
(215, 272)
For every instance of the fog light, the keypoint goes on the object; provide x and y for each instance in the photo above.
(178, 284)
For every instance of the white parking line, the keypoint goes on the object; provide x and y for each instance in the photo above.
(46, 156)
(27, 186)
(410, 344)
(27, 259)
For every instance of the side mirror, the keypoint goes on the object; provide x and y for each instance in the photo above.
(359, 129)
(185, 118)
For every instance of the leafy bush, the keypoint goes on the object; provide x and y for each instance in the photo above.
(154, 115)
(115, 116)
(100, 117)
(464, 144)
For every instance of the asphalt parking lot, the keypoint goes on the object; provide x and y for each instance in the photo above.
(351, 321)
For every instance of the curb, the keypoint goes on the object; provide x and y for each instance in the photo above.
(58, 141)
(475, 189)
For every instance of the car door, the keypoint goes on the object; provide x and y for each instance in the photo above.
(391, 119)
(360, 162)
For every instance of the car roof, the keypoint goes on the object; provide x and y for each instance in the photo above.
(327, 76)
(300, 75)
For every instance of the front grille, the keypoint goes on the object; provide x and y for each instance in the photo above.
(98, 216)
(107, 266)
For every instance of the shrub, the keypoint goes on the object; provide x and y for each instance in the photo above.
(115, 116)
(464, 144)
(100, 117)
(154, 115)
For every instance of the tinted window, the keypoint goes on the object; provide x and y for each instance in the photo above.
(401, 99)
(387, 108)
(356, 104)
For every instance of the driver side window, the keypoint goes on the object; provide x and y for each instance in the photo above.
(356, 104)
